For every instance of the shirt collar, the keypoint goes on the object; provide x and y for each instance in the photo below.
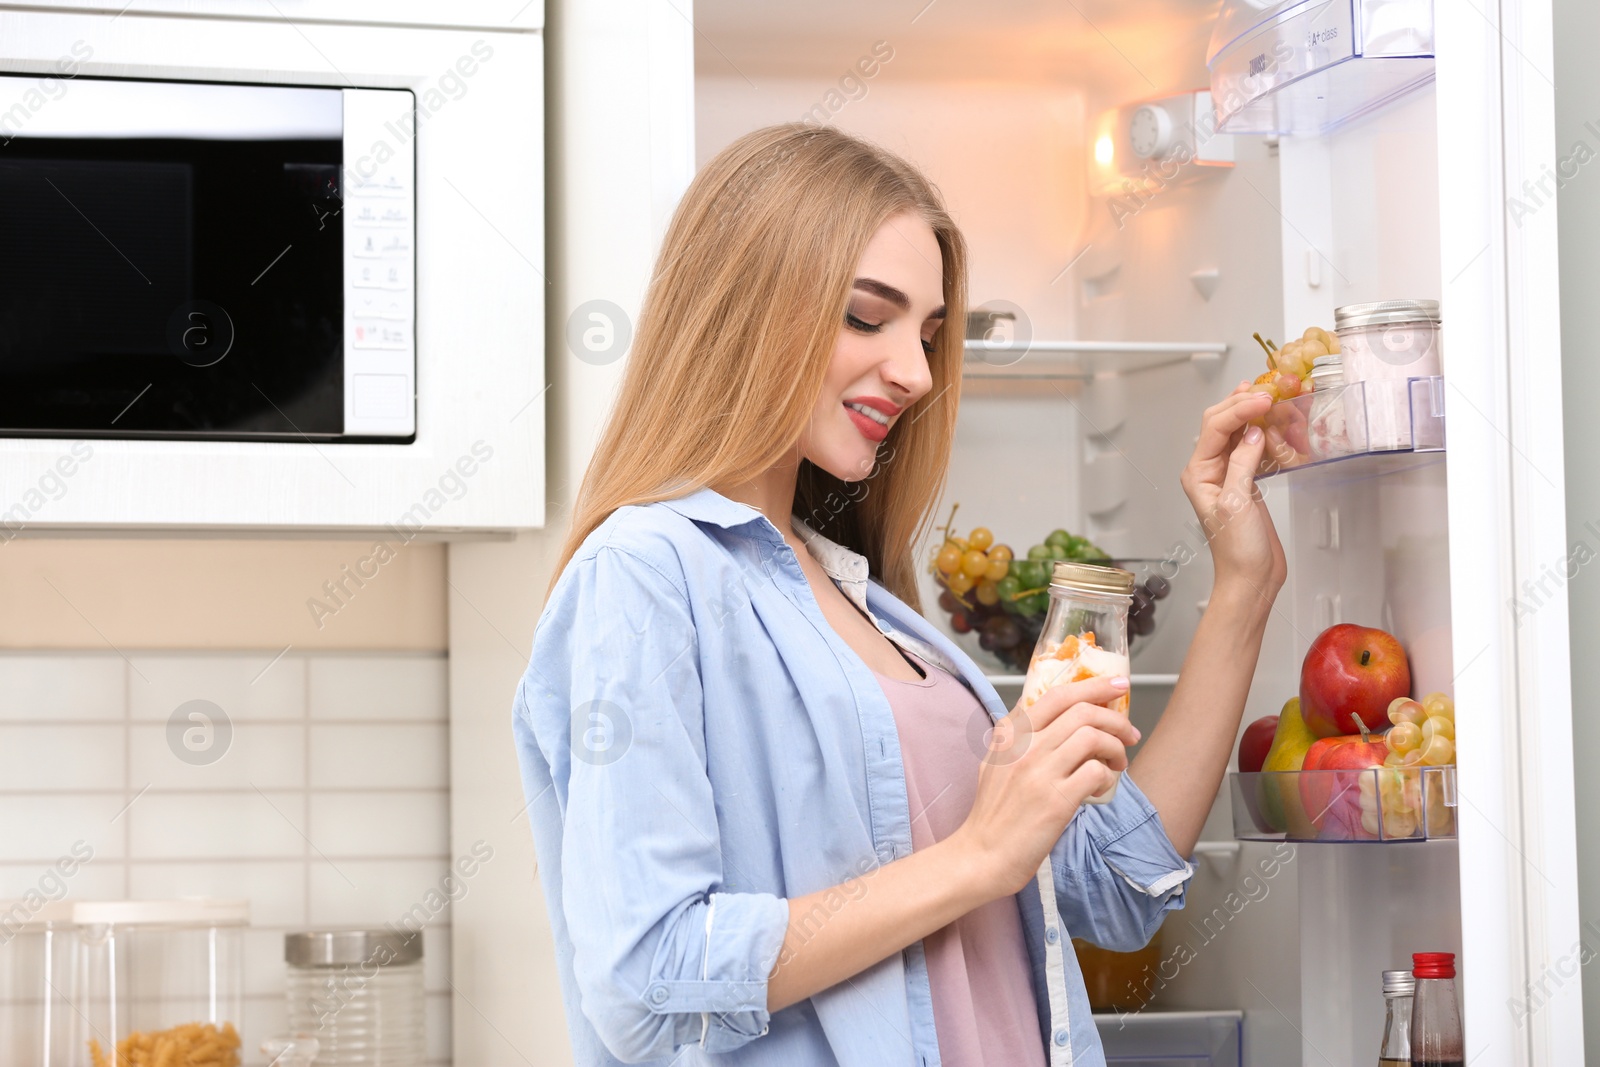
(708, 505)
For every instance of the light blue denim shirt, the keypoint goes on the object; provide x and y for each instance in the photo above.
(699, 746)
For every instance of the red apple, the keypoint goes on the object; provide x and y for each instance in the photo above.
(1256, 743)
(1332, 792)
(1350, 672)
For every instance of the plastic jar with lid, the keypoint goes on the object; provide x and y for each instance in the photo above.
(1085, 634)
(151, 974)
(1327, 428)
(359, 993)
(35, 954)
(1384, 344)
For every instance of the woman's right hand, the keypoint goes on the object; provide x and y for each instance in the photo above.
(1041, 765)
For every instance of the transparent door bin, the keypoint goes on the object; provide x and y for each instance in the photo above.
(1362, 418)
(1173, 1038)
(1370, 804)
(1310, 66)
(154, 979)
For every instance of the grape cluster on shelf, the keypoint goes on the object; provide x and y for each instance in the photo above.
(1423, 735)
(986, 589)
(1288, 370)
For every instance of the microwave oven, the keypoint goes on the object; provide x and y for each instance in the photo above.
(207, 260)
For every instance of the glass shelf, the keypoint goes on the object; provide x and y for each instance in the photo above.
(1079, 361)
(1368, 418)
(1310, 66)
(1370, 804)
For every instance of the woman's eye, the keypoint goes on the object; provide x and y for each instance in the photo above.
(928, 348)
(861, 324)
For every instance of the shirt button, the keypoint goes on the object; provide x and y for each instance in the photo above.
(659, 994)
(1061, 1037)
(1051, 935)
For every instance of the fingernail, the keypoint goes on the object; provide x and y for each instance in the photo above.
(1136, 735)
(1253, 434)
(1119, 683)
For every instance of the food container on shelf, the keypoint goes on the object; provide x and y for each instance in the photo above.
(359, 994)
(35, 955)
(1085, 635)
(154, 978)
(1336, 421)
(1310, 66)
(1415, 803)
(1385, 344)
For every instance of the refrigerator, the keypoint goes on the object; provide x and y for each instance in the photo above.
(1334, 152)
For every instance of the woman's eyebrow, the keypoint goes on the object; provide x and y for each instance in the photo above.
(893, 295)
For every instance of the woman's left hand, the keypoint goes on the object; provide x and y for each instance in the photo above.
(1220, 483)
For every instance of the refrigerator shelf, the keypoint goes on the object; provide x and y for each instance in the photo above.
(1311, 66)
(1370, 418)
(1370, 804)
(1078, 361)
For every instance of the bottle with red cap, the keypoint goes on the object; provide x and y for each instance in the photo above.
(1436, 1039)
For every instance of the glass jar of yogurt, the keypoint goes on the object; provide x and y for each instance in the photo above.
(1085, 635)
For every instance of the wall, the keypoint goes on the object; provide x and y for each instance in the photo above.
(1577, 24)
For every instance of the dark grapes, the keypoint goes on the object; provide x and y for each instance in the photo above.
(947, 601)
(1158, 586)
(959, 623)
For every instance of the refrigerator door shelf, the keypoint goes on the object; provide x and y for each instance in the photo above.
(1366, 805)
(1367, 418)
(1310, 66)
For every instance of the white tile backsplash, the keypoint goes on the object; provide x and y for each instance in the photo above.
(390, 825)
(51, 758)
(276, 889)
(41, 827)
(190, 825)
(380, 756)
(329, 806)
(63, 686)
(404, 893)
(386, 687)
(245, 685)
(258, 755)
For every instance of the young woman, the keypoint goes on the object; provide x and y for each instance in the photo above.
(776, 819)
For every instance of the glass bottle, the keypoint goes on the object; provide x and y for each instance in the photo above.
(1397, 989)
(1436, 1038)
(1085, 635)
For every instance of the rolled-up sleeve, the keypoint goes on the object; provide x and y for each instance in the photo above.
(1116, 872)
(668, 948)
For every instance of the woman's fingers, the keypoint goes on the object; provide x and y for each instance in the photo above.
(1090, 742)
(1056, 700)
(1224, 420)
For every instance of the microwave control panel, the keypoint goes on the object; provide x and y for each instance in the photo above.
(380, 265)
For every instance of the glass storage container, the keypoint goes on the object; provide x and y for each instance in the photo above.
(1085, 635)
(35, 957)
(1385, 345)
(359, 994)
(154, 979)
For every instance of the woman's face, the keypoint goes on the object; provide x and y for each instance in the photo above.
(880, 361)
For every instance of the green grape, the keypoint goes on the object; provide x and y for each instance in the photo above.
(1009, 586)
(1057, 552)
(1038, 552)
(1034, 603)
(1058, 537)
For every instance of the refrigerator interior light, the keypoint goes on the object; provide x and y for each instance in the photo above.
(1146, 145)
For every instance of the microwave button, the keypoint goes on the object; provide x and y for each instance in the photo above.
(380, 333)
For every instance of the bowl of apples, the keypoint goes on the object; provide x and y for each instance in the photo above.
(987, 590)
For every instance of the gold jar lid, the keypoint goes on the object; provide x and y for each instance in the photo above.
(1091, 578)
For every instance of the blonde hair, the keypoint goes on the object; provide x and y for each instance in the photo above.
(736, 333)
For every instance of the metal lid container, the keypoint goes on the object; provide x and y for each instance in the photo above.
(1398, 984)
(1384, 313)
(1091, 578)
(338, 948)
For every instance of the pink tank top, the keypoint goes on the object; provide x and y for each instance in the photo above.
(983, 1001)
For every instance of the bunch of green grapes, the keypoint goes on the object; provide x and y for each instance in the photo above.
(1423, 735)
